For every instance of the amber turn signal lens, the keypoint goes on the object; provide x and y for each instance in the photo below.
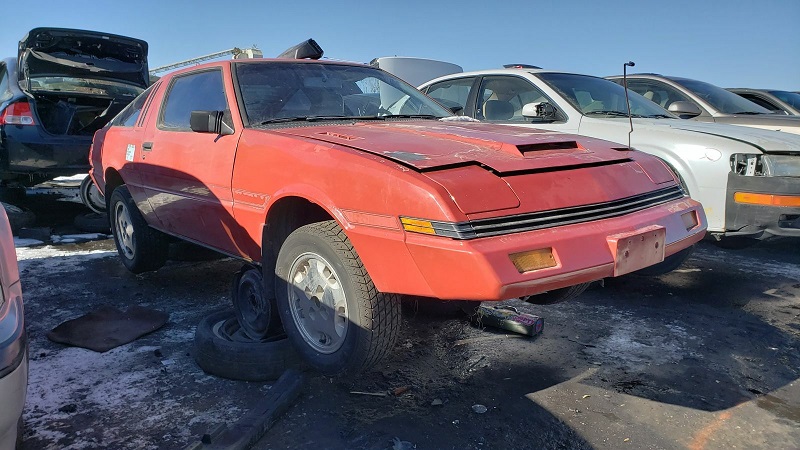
(689, 220)
(766, 199)
(417, 226)
(533, 260)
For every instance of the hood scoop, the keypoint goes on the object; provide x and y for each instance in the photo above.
(545, 149)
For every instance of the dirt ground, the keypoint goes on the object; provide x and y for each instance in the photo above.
(703, 358)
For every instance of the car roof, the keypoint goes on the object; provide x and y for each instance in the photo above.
(514, 71)
(230, 62)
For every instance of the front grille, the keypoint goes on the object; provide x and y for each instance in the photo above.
(565, 216)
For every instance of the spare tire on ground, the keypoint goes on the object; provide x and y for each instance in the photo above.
(222, 349)
(93, 223)
(18, 217)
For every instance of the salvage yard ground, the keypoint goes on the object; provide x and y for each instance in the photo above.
(704, 358)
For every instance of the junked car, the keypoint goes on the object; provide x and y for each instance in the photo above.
(704, 102)
(13, 342)
(777, 101)
(64, 85)
(347, 199)
(747, 179)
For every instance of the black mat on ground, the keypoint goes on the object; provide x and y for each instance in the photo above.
(108, 327)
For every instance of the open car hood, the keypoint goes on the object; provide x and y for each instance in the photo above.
(82, 54)
(429, 145)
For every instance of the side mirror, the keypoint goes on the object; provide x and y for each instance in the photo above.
(685, 110)
(217, 122)
(542, 110)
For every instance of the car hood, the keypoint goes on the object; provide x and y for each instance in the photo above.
(427, 145)
(82, 54)
(616, 129)
(776, 122)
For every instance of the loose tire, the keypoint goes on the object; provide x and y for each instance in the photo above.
(92, 222)
(257, 315)
(330, 309)
(557, 295)
(18, 218)
(669, 264)
(140, 247)
(91, 196)
(221, 349)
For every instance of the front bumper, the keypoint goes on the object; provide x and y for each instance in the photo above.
(481, 269)
(13, 371)
(761, 221)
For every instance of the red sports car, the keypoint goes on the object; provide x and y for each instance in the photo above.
(349, 188)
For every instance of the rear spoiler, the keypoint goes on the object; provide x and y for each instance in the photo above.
(305, 50)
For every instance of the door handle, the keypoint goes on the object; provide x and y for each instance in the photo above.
(147, 146)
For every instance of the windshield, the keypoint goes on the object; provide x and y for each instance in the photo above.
(91, 86)
(594, 96)
(723, 101)
(279, 91)
(792, 98)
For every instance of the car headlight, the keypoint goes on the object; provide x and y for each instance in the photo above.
(766, 165)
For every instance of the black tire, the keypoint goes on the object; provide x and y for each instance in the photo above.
(18, 217)
(91, 196)
(93, 223)
(20, 434)
(257, 315)
(557, 295)
(369, 321)
(221, 349)
(140, 247)
(669, 264)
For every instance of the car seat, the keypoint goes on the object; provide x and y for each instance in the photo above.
(498, 110)
(654, 97)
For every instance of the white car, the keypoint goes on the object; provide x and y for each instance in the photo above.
(747, 179)
(13, 342)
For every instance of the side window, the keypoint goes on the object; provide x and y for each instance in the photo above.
(501, 98)
(761, 102)
(657, 92)
(5, 94)
(202, 91)
(452, 94)
(130, 114)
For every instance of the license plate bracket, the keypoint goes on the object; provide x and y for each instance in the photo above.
(637, 249)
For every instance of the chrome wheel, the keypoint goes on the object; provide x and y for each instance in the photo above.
(317, 303)
(124, 228)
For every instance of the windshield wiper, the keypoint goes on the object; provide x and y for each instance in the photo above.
(318, 119)
(411, 116)
(610, 113)
(748, 113)
(658, 116)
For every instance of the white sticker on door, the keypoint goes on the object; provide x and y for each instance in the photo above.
(129, 152)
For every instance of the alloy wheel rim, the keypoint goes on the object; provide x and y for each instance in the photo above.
(125, 235)
(318, 303)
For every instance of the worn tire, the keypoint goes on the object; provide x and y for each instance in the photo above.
(140, 247)
(221, 349)
(18, 217)
(368, 321)
(669, 264)
(93, 223)
(557, 295)
(257, 315)
(91, 196)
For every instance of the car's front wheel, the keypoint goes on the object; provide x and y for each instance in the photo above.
(329, 306)
(140, 247)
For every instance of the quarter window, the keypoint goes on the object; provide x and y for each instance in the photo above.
(452, 93)
(202, 91)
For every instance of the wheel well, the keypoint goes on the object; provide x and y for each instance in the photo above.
(285, 216)
(113, 181)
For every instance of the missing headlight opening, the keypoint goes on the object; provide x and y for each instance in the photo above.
(784, 165)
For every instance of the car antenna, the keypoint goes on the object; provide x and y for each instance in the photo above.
(627, 102)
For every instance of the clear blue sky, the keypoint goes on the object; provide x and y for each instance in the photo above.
(731, 43)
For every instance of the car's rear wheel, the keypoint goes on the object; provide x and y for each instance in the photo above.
(557, 295)
(91, 196)
(328, 304)
(140, 247)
